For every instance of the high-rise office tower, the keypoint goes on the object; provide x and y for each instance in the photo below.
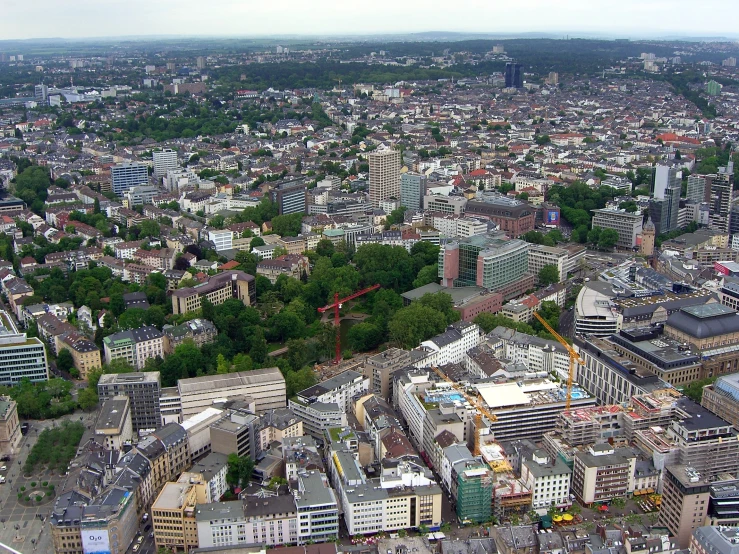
(412, 190)
(164, 160)
(696, 188)
(722, 190)
(41, 93)
(665, 205)
(128, 175)
(513, 75)
(384, 175)
(200, 62)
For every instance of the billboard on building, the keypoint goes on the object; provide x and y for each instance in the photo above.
(552, 217)
(95, 541)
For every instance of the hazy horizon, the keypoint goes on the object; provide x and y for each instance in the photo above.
(639, 19)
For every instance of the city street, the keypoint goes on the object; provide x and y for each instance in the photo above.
(21, 526)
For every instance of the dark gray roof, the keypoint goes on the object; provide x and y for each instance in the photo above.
(704, 321)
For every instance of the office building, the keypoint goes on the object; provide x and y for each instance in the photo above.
(513, 217)
(317, 507)
(627, 225)
(21, 357)
(541, 256)
(513, 75)
(173, 516)
(126, 175)
(412, 190)
(722, 191)
(384, 175)
(722, 398)
(41, 94)
(697, 187)
(113, 426)
(685, 501)
(142, 390)
(444, 205)
(488, 261)
(236, 432)
(164, 161)
(665, 204)
(217, 289)
(290, 197)
(135, 346)
(609, 376)
(200, 62)
(264, 387)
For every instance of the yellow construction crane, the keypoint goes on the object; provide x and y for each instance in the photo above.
(481, 410)
(574, 356)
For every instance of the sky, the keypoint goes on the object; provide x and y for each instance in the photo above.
(25, 19)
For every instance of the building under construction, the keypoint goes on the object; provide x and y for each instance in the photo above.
(474, 493)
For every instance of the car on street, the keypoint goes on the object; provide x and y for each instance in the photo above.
(3, 468)
(136, 547)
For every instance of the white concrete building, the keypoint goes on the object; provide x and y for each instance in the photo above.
(540, 256)
(223, 239)
(548, 480)
(164, 161)
(450, 346)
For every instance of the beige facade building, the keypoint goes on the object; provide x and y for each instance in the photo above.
(85, 353)
(113, 425)
(266, 387)
(384, 175)
(173, 515)
(627, 225)
(685, 498)
(722, 398)
(601, 474)
(218, 289)
(10, 427)
(540, 256)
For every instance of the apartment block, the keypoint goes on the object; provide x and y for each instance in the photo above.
(271, 521)
(128, 175)
(384, 175)
(326, 404)
(449, 347)
(548, 479)
(164, 161)
(134, 346)
(380, 368)
(602, 473)
(217, 289)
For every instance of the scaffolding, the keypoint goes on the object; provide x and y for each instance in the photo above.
(474, 494)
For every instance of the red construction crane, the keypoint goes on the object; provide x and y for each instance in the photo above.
(336, 305)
